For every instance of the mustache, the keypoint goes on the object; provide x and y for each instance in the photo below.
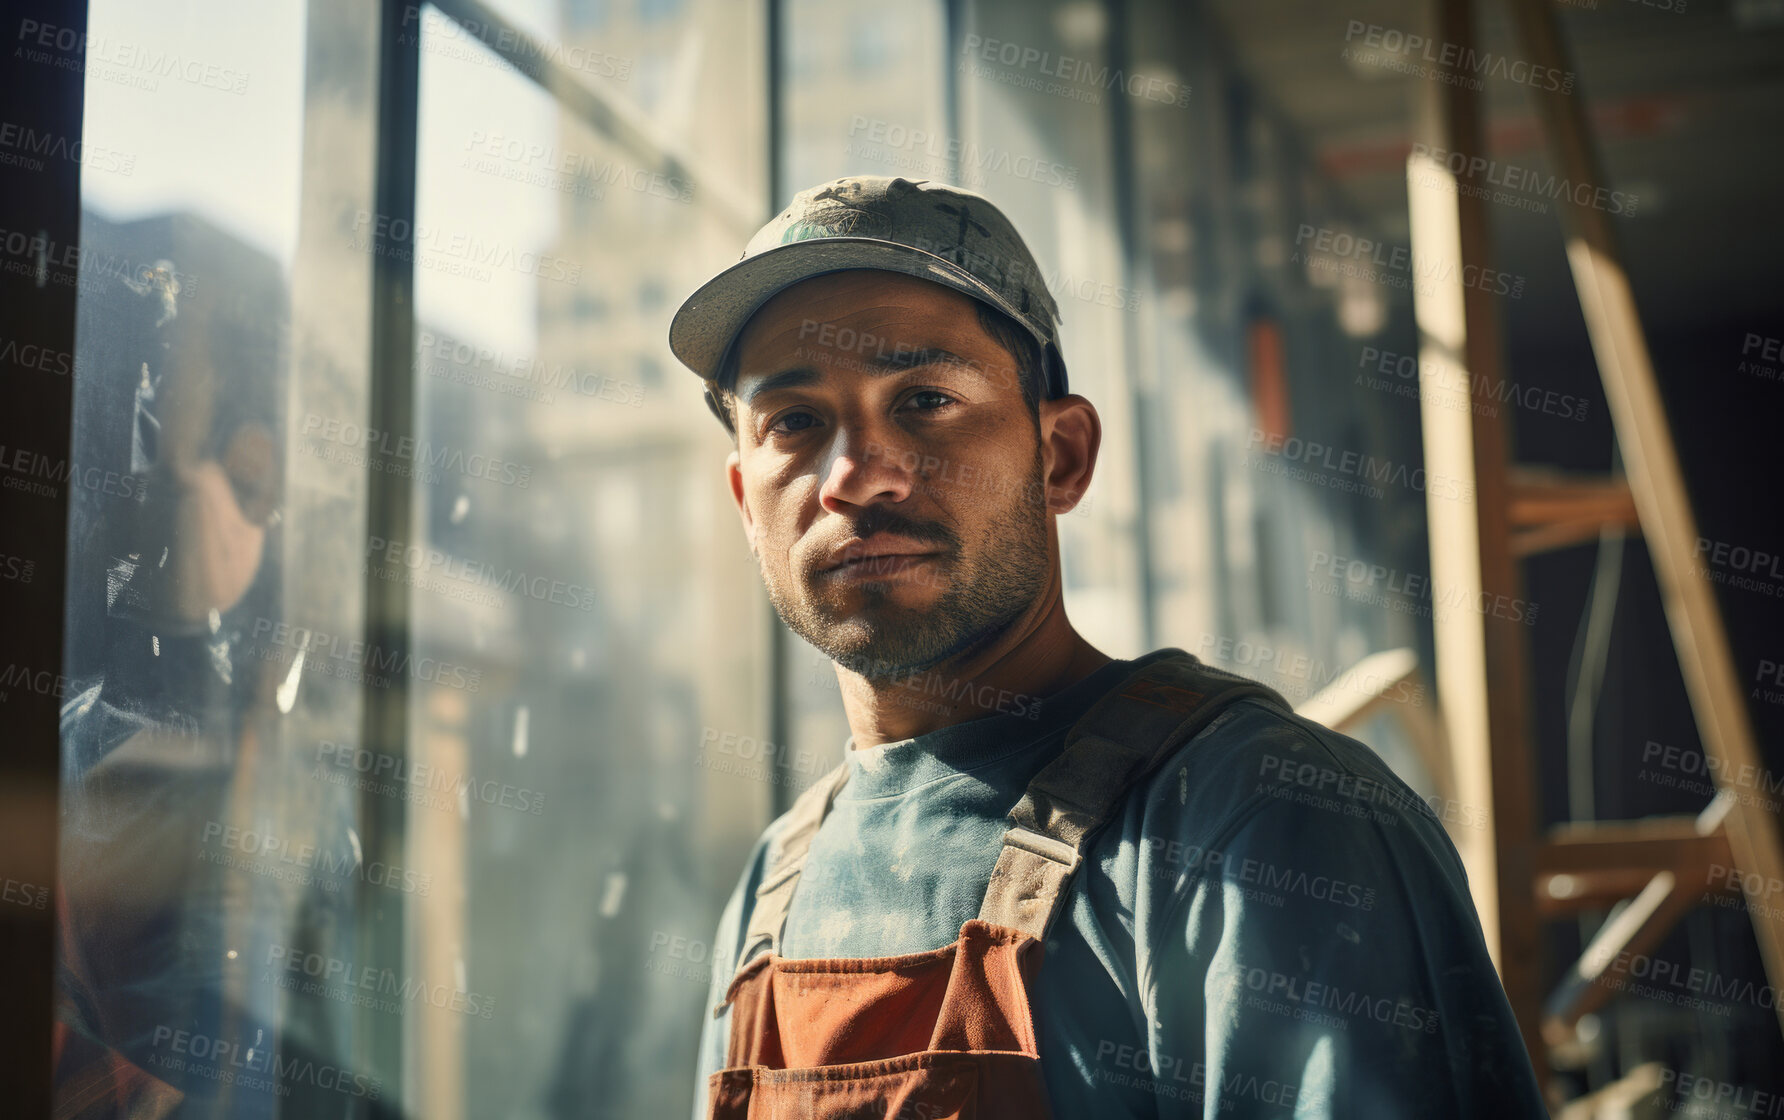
(881, 519)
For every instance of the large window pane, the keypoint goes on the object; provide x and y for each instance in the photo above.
(220, 301)
(585, 565)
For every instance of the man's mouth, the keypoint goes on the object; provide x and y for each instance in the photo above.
(879, 567)
(879, 555)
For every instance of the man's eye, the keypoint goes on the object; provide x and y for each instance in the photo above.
(787, 423)
(928, 400)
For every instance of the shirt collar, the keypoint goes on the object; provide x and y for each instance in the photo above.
(1026, 724)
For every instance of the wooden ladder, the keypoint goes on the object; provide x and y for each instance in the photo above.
(1520, 877)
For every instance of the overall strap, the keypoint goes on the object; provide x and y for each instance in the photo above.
(1119, 741)
(786, 859)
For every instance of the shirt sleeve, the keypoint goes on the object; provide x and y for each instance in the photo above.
(1322, 958)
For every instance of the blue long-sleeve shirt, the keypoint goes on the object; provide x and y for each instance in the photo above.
(1271, 924)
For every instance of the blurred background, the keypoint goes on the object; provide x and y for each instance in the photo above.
(394, 699)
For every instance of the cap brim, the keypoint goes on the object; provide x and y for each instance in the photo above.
(709, 319)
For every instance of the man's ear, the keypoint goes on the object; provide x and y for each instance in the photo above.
(734, 477)
(1071, 434)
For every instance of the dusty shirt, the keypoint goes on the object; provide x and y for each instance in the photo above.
(1271, 924)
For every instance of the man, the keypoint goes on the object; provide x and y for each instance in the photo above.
(1044, 882)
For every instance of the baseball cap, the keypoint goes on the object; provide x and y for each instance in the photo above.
(919, 228)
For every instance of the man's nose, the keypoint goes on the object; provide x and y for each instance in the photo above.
(864, 470)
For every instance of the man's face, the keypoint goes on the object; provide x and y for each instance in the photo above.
(888, 470)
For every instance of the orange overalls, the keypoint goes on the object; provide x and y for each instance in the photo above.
(946, 1034)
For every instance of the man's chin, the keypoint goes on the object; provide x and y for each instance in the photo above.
(879, 641)
(883, 620)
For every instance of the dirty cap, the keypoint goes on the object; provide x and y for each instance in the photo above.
(919, 228)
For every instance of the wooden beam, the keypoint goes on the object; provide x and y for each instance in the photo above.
(1668, 896)
(1651, 462)
(1481, 656)
(1539, 495)
(1552, 510)
(1587, 867)
(1631, 932)
(1658, 842)
(1358, 693)
(1561, 894)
